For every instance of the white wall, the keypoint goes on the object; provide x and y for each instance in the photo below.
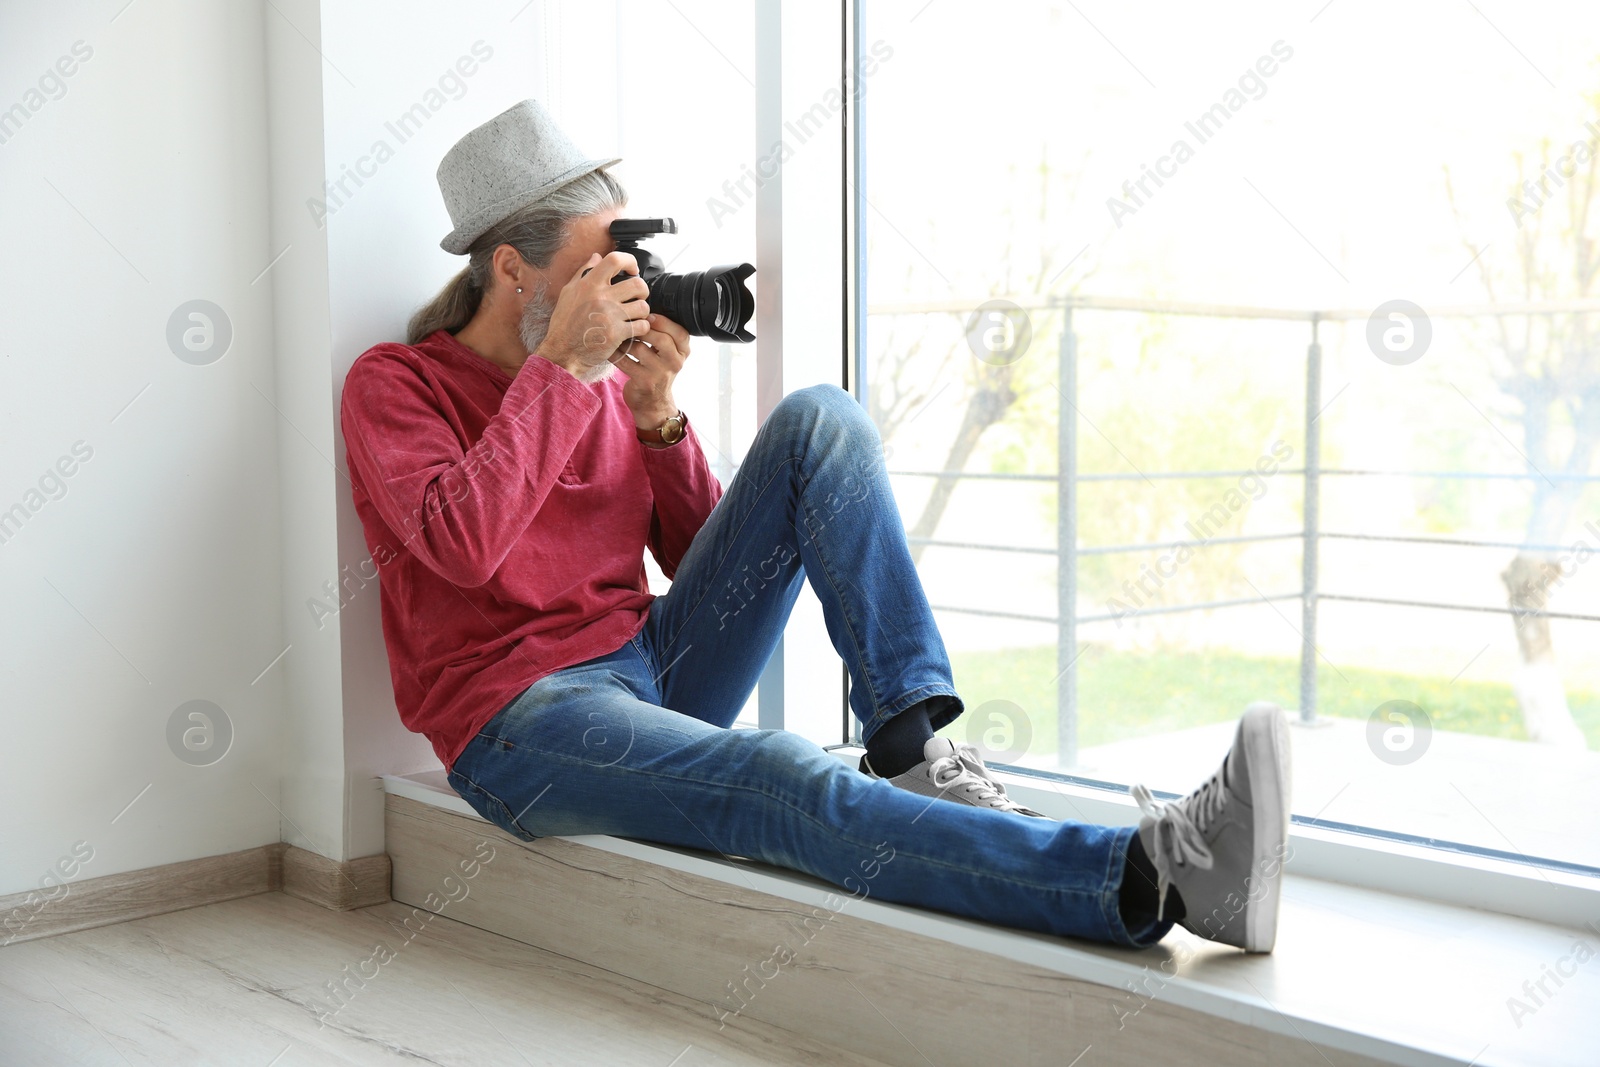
(136, 184)
(312, 770)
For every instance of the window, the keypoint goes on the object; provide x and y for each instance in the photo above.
(1324, 359)
(1314, 306)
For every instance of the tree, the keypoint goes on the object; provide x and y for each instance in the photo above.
(1548, 367)
(903, 385)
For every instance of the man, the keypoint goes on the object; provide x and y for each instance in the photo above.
(509, 480)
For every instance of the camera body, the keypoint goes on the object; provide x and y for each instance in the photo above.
(713, 303)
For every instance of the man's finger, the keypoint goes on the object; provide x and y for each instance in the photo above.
(670, 335)
(678, 334)
(613, 262)
(628, 355)
(667, 347)
(633, 288)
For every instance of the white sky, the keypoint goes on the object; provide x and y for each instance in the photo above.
(1348, 142)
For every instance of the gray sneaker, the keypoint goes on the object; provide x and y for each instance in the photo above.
(1223, 846)
(952, 771)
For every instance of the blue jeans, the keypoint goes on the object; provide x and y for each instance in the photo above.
(638, 743)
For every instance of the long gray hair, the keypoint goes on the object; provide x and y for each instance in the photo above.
(537, 232)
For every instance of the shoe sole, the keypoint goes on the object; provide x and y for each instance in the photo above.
(950, 798)
(1270, 774)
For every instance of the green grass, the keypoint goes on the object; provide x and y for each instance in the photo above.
(1126, 695)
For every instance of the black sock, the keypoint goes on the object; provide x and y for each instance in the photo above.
(1137, 903)
(897, 746)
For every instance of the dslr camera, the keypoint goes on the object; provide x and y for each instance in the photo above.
(713, 303)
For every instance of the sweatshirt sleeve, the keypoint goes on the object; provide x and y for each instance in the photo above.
(459, 511)
(685, 491)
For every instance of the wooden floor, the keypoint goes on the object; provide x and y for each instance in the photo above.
(248, 982)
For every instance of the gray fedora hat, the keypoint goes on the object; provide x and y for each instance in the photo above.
(506, 164)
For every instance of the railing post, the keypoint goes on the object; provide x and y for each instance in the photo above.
(1067, 547)
(1310, 508)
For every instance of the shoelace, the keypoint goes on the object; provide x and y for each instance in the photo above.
(948, 772)
(969, 755)
(1179, 830)
(965, 762)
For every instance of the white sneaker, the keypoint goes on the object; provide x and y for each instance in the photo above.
(952, 771)
(1223, 846)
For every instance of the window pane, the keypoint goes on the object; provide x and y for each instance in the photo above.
(1171, 173)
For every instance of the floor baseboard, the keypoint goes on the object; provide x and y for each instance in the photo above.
(115, 898)
(338, 886)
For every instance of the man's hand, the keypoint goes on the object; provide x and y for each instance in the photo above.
(593, 318)
(651, 362)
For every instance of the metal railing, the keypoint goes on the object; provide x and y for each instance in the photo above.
(1067, 550)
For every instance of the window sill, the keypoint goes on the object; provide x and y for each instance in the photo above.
(1371, 973)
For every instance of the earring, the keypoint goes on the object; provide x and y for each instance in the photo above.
(519, 288)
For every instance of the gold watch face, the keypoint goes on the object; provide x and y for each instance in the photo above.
(671, 430)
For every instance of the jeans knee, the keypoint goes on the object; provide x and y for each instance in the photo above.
(774, 753)
(829, 411)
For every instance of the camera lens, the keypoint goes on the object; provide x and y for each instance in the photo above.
(713, 303)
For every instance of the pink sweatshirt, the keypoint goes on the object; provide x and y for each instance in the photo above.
(508, 519)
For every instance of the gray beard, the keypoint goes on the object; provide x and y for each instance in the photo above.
(535, 324)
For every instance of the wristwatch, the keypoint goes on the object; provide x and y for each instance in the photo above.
(668, 433)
